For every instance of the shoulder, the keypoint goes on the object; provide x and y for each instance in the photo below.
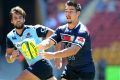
(39, 26)
(29, 26)
(11, 33)
(35, 26)
(83, 28)
(62, 27)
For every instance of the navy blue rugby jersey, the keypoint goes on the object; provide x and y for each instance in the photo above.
(35, 33)
(78, 36)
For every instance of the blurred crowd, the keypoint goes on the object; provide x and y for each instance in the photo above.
(108, 5)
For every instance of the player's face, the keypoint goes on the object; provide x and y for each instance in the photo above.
(17, 20)
(71, 14)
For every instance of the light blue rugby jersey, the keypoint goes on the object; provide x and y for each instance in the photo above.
(35, 33)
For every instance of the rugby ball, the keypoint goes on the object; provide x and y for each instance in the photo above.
(29, 49)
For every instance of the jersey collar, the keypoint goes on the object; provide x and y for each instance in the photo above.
(22, 31)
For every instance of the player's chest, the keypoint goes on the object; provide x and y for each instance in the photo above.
(17, 40)
(68, 36)
(25, 34)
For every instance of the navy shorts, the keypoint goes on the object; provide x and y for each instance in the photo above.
(42, 69)
(71, 73)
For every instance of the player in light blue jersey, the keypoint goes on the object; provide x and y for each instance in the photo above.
(38, 68)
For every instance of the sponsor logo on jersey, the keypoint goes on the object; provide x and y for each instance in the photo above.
(14, 38)
(18, 44)
(80, 40)
(43, 30)
(28, 35)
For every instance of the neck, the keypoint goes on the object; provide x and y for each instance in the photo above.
(19, 31)
(73, 25)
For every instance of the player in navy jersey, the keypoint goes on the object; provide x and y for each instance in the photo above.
(77, 46)
(38, 68)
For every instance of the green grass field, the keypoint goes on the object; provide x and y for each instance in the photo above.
(112, 73)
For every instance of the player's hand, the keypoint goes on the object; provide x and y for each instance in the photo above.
(47, 55)
(58, 63)
(39, 46)
(12, 57)
(15, 53)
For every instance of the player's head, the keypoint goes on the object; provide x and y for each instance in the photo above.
(72, 11)
(17, 15)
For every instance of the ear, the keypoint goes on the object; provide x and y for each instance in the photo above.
(11, 21)
(24, 19)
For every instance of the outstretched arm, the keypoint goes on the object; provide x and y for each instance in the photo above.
(62, 53)
(48, 43)
(67, 52)
(45, 32)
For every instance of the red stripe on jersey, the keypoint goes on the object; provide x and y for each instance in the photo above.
(66, 38)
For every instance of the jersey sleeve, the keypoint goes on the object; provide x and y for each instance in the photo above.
(41, 30)
(80, 40)
(9, 43)
(56, 37)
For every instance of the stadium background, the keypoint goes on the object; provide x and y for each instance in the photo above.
(102, 17)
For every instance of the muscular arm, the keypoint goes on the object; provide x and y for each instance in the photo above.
(49, 33)
(62, 53)
(67, 52)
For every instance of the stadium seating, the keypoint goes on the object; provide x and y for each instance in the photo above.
(104, 28)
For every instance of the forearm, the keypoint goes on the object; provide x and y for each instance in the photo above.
(57, 47)
(67, 52)
(45, 44)
(58, 61)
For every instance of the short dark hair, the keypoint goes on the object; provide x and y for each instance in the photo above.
(19, 10)
(74, 4)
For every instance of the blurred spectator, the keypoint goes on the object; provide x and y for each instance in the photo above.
(51, 21)
(60, 15)
(101, 6)
(111, 6)
(106, 5)
(117, 4)
(51, 18)
(118, 8)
